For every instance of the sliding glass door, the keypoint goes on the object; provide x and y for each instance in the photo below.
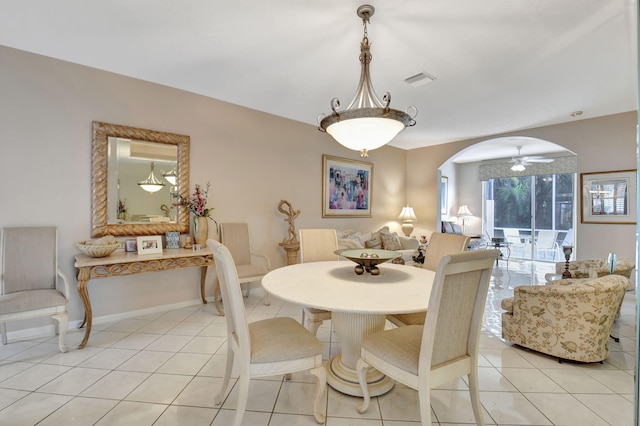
(535, 214)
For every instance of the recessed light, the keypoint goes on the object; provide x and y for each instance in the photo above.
(576, 113)
(419, 79)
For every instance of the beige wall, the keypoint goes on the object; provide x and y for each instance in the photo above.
(252, 159)
(601, 144)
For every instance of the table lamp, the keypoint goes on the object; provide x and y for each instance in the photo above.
(407, 216)
(464, 211)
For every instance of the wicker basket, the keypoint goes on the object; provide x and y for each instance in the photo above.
(97, 250)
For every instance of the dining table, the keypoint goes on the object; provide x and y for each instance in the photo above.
(359, 305)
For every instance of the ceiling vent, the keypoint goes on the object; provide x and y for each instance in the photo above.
(419, 79)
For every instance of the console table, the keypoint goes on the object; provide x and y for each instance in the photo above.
(122, 263)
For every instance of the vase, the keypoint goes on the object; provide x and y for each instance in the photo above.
(200, 230)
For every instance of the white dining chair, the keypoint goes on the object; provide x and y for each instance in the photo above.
(32, 284)
(446, 346)
(269, 347)
(317, 245)
(251, 265)
(439, 245)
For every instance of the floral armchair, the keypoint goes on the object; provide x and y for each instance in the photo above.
(569, 319)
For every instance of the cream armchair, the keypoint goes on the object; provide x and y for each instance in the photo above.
(569, 319)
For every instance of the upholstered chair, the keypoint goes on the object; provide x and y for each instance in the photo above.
(568, 319)
(29, 286)
(446, 346)
(274, 346)
(439, 246)
(251, 266)
(317, 245)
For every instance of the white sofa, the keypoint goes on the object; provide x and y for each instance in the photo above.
(380, 239)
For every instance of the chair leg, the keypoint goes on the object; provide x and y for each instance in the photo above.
(243, 395)
(63, 325)
(361, 369)
(3, 332)
(313, 325)
(321, 384)
(227, 375)
(474, 389)
(424, 396)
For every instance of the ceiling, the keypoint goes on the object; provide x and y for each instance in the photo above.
(500, 65)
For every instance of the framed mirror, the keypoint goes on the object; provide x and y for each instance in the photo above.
(137, 178)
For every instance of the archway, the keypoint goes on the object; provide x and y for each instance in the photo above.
(484, 174)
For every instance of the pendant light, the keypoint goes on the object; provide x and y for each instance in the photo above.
(152, 183)
(367, 123)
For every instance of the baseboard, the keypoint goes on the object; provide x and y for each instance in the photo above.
(49, 330)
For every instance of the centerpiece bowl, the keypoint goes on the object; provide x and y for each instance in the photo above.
(368, 259)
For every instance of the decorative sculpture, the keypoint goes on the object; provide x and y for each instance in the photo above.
(291, 217)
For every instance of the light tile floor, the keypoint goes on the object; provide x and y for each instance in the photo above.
(163, 369)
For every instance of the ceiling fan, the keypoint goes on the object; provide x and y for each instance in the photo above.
(521, 161)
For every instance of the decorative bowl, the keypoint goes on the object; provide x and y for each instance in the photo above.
(368, 259)
(98, 248)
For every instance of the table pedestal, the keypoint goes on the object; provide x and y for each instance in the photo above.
(350, 329)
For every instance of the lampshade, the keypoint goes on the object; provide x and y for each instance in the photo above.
(367, 123)
(518, 167)
(151, 183)
(463, 210)
(171, 176)
(407, 214)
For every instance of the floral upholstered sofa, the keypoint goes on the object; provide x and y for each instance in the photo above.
(580, 268)
(383, 238)
(569, 319)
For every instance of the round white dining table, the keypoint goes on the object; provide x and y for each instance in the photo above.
(358, 304)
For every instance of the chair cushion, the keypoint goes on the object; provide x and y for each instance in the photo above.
(246, 271)
(399, 346)
(30, 300)
(415, 318)
(281, 339)
(315, 310)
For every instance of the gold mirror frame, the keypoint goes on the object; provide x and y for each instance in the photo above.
(99, 173)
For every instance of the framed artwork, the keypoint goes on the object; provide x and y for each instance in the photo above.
(151, 244)
(444, 195)
(347, 187)
(608, 197)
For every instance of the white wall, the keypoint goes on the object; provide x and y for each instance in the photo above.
(252, 159)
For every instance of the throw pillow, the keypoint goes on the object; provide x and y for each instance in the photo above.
(390, 241)
(374, 244)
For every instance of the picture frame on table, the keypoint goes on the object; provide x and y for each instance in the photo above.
(608, 197)
(347, 187)
(130, 245)
(149, 244)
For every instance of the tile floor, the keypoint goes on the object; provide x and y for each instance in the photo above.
(163, 369)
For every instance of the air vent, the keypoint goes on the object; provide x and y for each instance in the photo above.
(419, 79)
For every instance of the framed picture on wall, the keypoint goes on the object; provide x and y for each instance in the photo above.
(608, 197)
(347, 187)
(444, 195)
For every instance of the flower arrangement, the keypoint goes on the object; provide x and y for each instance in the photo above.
(122, 208)
(197, 202)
